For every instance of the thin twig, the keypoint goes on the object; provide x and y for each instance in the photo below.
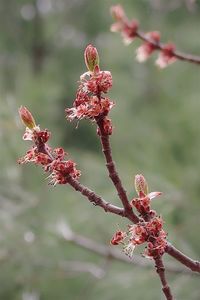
(161, 272)
(110, 164)
(94, 198)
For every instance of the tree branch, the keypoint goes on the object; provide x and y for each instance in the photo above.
(161, 272)
(110, 164)
(94, 198)
(182, 258)
(159, 46)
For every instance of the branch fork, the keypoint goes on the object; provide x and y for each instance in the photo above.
(92, 103)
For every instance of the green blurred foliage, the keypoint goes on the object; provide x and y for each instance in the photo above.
(157, 130)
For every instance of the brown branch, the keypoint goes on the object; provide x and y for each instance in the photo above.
(159, 46)
(110, 164)
(92, 197)
(161, 272)
(95, 199)
(182, 258)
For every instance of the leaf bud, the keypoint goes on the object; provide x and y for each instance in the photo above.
(141, 186)
(91, 58)
(26, 117)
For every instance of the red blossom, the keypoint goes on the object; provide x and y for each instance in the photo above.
(41, 136)
(127, 28)
(150, 232)
(155, 225)
(107, 126)
(117, 12)
(29, 156)
(60, 171)
(100, 82)
(59, 153)
(118, 237)
(157, 247)
(138, 234)
(166, 56)
(42, 158)
(147, 48)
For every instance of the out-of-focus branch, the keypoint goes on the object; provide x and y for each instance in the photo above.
(160, 46)
(112, 253)
(82, 267)
(130, 30)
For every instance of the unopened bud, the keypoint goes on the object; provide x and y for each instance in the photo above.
(91, 58)
(26, 117)
(117, 12)
(141, 186)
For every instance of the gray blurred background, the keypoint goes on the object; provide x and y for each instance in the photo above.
(157, 131)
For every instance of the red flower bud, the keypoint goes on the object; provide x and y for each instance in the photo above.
(91, 58)
(26, 117)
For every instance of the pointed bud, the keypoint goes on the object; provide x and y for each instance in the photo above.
(91, 58)
(117, 12)
(26, 117)
(141, 186)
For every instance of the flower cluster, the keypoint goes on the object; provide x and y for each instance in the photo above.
(129, 31)
(52, 160)
(149, 230)
(91, 102)
(157, 243)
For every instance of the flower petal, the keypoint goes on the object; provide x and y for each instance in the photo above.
(153, 195)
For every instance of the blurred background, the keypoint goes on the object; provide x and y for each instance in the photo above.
(157, 131)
